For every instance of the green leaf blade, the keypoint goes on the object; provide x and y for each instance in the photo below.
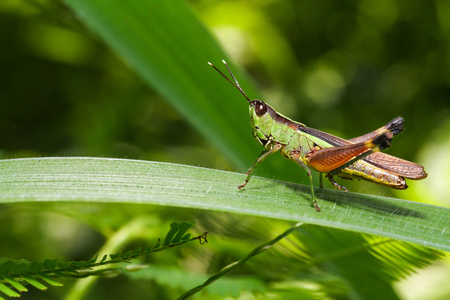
(49, 280)
(17, 285)
(34, 282)
(132, 181)
(183, 227)
(9, 292)
(173, 230)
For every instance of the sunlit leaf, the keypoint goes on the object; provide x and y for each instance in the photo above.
(143, 182)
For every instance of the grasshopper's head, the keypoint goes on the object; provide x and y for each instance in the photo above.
(261, 114)
(261, 119)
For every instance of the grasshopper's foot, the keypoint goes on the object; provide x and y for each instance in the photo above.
(316, 206)
(243, 185)
(248, 178)
(337, 185)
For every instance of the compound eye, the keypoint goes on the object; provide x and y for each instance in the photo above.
(260, 107)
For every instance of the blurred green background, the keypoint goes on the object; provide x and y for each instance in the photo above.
(345, 67)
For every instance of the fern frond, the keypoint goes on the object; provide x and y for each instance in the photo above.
(321, 256)
(340, 253)
(15, 274)
(400, 259)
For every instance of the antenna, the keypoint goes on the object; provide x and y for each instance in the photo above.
(235, 83)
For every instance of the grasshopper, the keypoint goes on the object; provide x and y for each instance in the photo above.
(311, 148)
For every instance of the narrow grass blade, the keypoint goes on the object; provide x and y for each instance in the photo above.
(104, 180)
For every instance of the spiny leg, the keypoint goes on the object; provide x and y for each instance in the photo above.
(337, 185)
(261, 157)
(308, 171)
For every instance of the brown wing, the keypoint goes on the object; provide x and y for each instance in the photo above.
(330, 159)
(396, 165)
(385, 161)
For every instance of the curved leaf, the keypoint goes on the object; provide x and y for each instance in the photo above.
(133, 181)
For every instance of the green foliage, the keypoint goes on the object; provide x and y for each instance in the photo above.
(18, 273)
(342, 67)
(176, 278)
(172, 64)
(139, 182)
(322, 255)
